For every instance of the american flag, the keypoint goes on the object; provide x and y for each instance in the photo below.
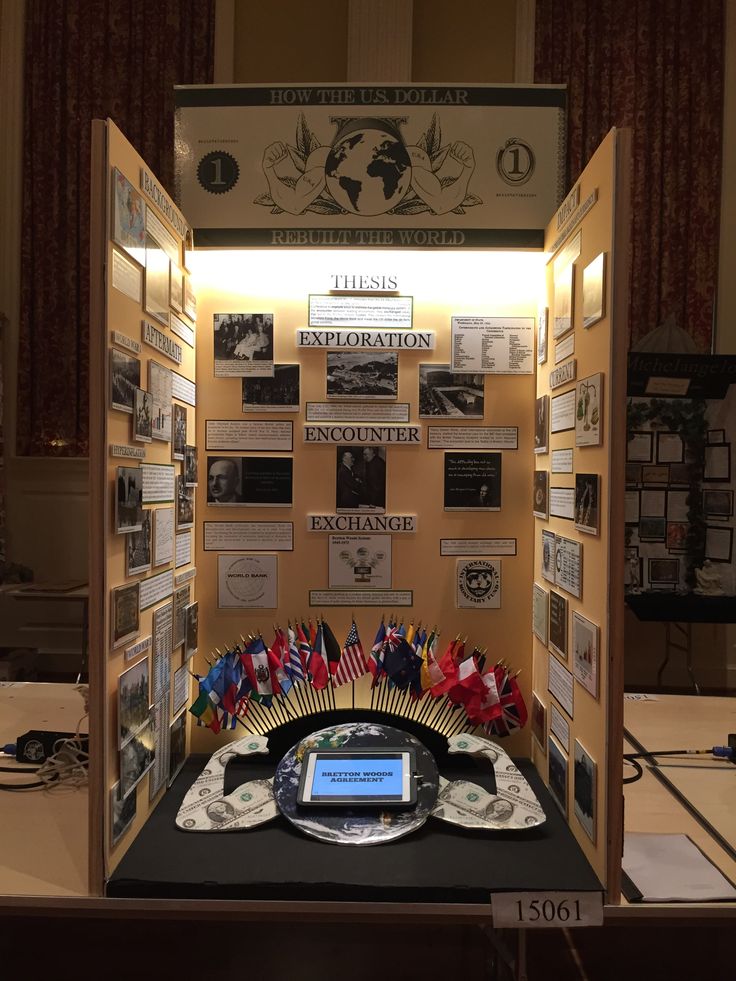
(352, 663)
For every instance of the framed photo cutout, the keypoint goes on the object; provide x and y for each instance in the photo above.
(122, 813)
(443, 393)
(670, 448)
(156, 301)
(563, 300)
(128, 217)
(585, 643)
(664, 572)
(125, 378)
(134, 704)
(184, 504)
(361, 375)
(540, 613)
(191, 630)
(138, 548)
(718, 503)
(652, 529)
(558, 775)
(588, 410)
(594, 290)
(129, 500)
(640, 447)
(718, 543)
(191, 465)
(277, 394)
(178, 431)
(676, 536)
(539, 721)
(472, 481)
(124, 613)
(176, 288)
(587, 502)
(136, 758)
(541, 424)
(585, 790)
(142, 416)
(558, 623)
(243, 344)
(542, 324)
(541, 490)
(717, 462)
(549, 545)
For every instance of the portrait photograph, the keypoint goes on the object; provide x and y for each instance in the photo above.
(124, 613)
(142, 416)
(243, 344)
(191, 630)
(224, 486)
(362, 375)
(138, 547)
(129, 500)
(472, 481)
(122, 813)
(156, 281)
(558, 775)
(184, 504)
(540, 489)
(136, 758)
(128, 217)
(133, 700)
(125, 378)
(277, 394)
(360, 478)
(541, 424)
(191, 464)
(178, 431)
(454, 395)
(587, 491)
(585, 790)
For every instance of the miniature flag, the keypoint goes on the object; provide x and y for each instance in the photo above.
(401, 664)
(330, 648)
(317, 664)
(293, 664)
(352, 663)
(513, 708)
(375, 661)
(468, 683)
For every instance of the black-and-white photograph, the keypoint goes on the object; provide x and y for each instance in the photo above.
(472, 482)
(224, 485)
(177, 746)
(157, 281)
(128, 217)
(138, 548)
(587, 492)
(184, 504)
(558, 623)
(179, 431)
(243, 344)
(125, 377)
(182, 597)
(252, 481)
(540, 506)
(585, 790)
(451, 394)
(362, 375)
(277, 394)
(191, 636)
(133, 700)
(541, 424)
(125, 613)
(136, 758)
(129, 500)
(718, 503)
(360, 478)
(176, 288)
(191, 464)
(142, 416)
(558, 775)
(122, 813)
(161, 421)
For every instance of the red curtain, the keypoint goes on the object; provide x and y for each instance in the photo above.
(656, 66)
(83, 60)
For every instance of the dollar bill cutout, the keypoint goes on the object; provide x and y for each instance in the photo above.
(514, 806)
(205, 806)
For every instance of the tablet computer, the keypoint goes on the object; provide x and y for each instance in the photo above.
(358, 778)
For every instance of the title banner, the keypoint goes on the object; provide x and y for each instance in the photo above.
(371, 165)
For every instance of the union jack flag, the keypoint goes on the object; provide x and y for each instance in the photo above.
(513, 709)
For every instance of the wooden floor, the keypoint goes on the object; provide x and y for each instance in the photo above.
(119, 950)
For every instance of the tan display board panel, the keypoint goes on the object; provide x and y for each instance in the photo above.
(442, 285)
(597, 215)
(117, 320)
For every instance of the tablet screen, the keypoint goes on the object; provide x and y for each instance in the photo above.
(356, 777)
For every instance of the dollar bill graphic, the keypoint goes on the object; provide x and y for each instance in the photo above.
(514, 806)
(206, 807)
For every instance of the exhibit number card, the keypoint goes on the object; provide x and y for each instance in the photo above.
(493, 345)
(551, 910)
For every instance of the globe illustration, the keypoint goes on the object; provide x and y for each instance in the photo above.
(368, 169)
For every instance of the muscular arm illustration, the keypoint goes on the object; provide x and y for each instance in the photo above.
(458, 165)
(294, 199)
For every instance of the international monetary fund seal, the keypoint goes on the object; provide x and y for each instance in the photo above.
(246, 580)
(479, 583)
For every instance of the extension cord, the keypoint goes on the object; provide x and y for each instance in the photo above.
(36, 745)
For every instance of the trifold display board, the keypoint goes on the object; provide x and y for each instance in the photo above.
(343, 480)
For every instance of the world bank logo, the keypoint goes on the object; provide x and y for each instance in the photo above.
(515, 162)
